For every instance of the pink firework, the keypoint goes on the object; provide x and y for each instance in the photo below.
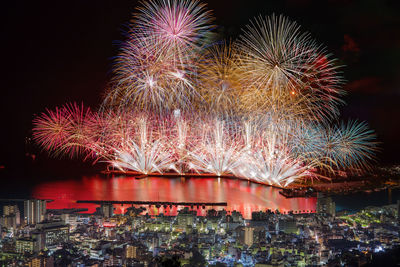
(178, 26)
(64, 130)
(51, 129)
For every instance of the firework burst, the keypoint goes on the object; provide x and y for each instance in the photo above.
(51, 129)
(63, 131)
(282, 64)
(180, 27)
(217, 152)
(218, 80)
(148, 81)
(350, 146)
(146, 153)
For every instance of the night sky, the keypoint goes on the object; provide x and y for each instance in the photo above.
(55, 52)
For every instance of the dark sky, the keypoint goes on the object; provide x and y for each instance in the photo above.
(54, 52)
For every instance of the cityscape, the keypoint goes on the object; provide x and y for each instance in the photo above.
(212, 133)
(37, 236)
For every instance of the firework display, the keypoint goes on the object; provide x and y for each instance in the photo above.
(261, 108)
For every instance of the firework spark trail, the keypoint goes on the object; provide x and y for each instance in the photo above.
(179, 142)
(145, 154)
(64, 130)
(218, 80)
(180, 26)
(279, 60)
(217, 152)
(51, 129)
(272, 159)
(149, 81)
(350, 145)
(144, 79)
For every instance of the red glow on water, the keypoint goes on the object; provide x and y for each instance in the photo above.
(240, 195)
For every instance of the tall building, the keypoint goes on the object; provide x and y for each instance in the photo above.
(246, 235)
(325, 205)
(11, 216)
(9, 221)
(50, 234)
(34, 211)
(131, 252)
(10, 209)
(107, 210)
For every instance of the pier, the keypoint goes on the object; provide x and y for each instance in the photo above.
(152, 203)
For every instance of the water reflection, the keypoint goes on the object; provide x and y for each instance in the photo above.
(240, 195)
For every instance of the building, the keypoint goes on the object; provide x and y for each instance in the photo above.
(70, 219)
(34, 211)
(325, 205)
(249, 236)
(11, 216)
(185, 219)
(246, 235)
(51, 234)
(112, 260)
(10, 221)
(10, 209)
(26, 245)
(41, 261)
(107, 210)
(288, 226)
(131, 252)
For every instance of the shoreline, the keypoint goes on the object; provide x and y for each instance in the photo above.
(344, 186)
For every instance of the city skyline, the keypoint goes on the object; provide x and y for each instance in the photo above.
(153, 133)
